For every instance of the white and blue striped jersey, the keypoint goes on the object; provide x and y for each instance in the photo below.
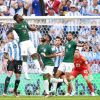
(13, 49)
(35, 37)
(58, 59)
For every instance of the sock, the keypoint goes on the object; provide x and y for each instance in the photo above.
(25, 69)
(46, 86)
(90, 87)
(36, 62)
(53, 80)
(54, 87)
(7, 80)
(69, 88)
(72, 86)
(17, 81)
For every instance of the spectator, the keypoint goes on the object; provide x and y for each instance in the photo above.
(93, 39)
(52, 12)
(95, 68)
(96, 12)
(20, 9)
(64, 6)
(73, 26)
(28, 7)
(38, 7)
(84, 10)
(3, 8)
(95, 5)
(75, 1)
(56, 30)
(54, 4)
(86, 47)
(83, 34)
(13, 8)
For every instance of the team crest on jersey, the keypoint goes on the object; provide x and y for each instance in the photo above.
(25, 26)
(44, 50)
(22, 26)
(69, 45)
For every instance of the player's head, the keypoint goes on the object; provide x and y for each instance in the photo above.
(10, 34)
(47, 38)
(58, 41)
(18, 18)
(69, 36)
(77, 53)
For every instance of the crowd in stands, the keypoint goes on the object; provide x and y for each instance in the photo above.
(50, 7)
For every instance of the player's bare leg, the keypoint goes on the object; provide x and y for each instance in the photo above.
(90, 86)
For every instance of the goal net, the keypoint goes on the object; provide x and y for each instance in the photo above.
(86, 30)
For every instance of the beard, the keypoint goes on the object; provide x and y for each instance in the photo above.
(43, 40)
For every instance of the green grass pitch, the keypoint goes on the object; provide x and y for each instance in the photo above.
(50, 98)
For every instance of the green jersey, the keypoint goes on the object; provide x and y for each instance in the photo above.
(70, 48)
(47, 50)
(22, 30)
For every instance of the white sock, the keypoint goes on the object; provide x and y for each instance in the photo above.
(25, 69)
(53, 80)
(54, 87)
(46, 86)
(36, 62)
(73, 88)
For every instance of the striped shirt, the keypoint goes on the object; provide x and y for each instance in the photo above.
(73, 25)
(35, 38)
(83, 33)
(58, 59)
(13, 50)
(84, 10)
(92, 8)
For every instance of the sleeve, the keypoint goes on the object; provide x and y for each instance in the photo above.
(27, 24)
(50, 49)
(16, 37)
(53, 49)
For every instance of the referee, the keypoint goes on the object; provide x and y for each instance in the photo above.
(13, 54)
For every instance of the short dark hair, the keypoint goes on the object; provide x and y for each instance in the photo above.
(50, 38)
(70, 32)
(9, 31)
(58, 38)
(15, 16)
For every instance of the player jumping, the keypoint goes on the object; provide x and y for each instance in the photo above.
(27, 48)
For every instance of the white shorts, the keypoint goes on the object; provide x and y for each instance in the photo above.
(27, 48)
(48, 69)
(66, 67)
